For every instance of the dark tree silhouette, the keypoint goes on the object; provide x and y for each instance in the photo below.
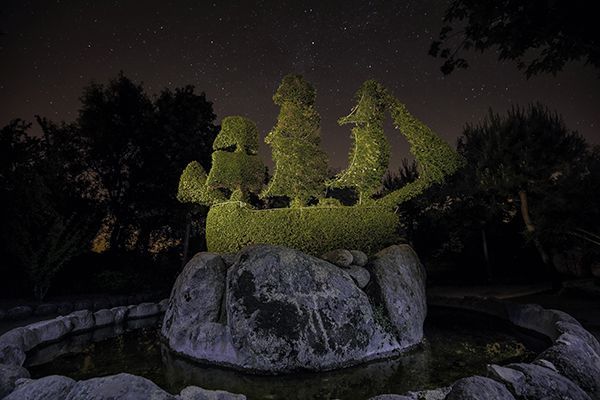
(541, 35)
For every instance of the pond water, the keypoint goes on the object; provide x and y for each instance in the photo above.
(457, 344)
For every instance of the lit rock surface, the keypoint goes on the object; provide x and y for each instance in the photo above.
(8, 376)
(400, 279)
(478, 388)
(280, 310)
(121, 386)
(53, 387)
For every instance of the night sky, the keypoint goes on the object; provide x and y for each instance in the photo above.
(237, 52)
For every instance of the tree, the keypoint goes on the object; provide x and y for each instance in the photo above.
(236, 166)
(369, 156)
(300, 165)
(520, 157)
(541, 35)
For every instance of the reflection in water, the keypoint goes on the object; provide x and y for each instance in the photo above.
(458, 344)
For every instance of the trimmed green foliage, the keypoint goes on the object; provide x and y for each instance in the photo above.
(300, 165)
(238, 132)
(232, 225)
(435, 158)
(193, 189)
(370, 154)
(240, 171)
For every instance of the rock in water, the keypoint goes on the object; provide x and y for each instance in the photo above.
(197, 294)
(289, 311)
(400, 279)
(285, 311)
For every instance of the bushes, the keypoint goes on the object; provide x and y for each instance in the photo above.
(315, 230)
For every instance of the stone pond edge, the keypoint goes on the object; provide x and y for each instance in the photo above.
(554, 324)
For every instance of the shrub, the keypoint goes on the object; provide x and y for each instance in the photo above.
(231, 226)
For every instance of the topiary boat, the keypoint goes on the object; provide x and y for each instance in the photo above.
(300, 175)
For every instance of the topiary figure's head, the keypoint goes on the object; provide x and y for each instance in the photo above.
(295, 89)
(237, 134)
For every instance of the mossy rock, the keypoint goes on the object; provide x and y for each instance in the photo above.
(315, 230)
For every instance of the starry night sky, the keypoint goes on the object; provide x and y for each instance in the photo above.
(238, 51)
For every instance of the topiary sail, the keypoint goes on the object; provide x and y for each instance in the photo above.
(370, 154)
(235, 163)
(300, 165)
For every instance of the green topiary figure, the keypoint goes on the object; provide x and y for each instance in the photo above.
(300, 165)
(369, 157)
(235, 163)
(193, 189)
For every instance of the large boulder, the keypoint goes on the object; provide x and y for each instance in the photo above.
(196, 295)
(478, 388)
(530, 381)
(399, 277)
(53, 387)
(290, 311)
(574, 358)
(8, 376)
(121, 387)
(197, 393)
(277, 309)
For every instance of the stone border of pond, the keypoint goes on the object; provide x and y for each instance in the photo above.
(569, 368)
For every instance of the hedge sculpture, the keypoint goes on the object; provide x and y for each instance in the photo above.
(300, 165)
(300, 168)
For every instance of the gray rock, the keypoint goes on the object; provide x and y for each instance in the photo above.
(528, 381)
(82, 320)
(8, 376)
(45, 309)
(104, 317)
(2, 314)
(12, 355)
(537, 318)
(208, 341)
(400, 279)
(121, 387)
(119, 314)
(576, 360)
(478, 388)
(228, 258)
(19, 312)
(53, 387)
(340, 257)
(288, 310)
(163, 305)
(391, 397)
(577, 330)
(196, 295)
(360, 275)
(47, 331)
(359, 258)
(143, 310)
(197, 393)
(433, 394)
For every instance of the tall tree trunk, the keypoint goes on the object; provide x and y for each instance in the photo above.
(186, 239)
(486, 256)
(530, 226)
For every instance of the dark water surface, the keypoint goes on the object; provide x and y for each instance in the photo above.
(457, 344)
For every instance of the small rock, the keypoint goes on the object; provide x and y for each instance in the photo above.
(197, 393)
(478, 388)
(121, 386)
(53, 387)
(580, 332)
(391, 397)
(82, 320)
(104, 317)
(119, 314)
(19, 312)
(340, 257)
(143, 310)
(8, 376)
(45, 309)
(359, 258)
(360, 275)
